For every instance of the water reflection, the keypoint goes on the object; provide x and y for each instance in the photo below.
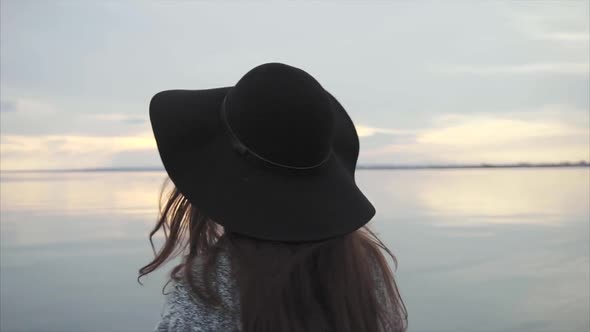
(488, 250)
(47, 208)
(483, 196)
(479, 250)
(81, 193)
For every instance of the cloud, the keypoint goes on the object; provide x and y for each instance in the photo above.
(563, 36)
(520, 69)
(542, 136)
(7, 106)
(26, 105)
(67, 151)
(550, 134)
(564, 24)
(70, 116)
(365, 131)
(485, 130)
(538, 28)
(118, 117)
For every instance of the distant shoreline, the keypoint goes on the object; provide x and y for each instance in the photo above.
(519, 165)
(360, 167)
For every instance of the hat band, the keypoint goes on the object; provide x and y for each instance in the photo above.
(243, 150)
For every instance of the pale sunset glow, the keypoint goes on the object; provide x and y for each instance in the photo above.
(65, 151)
(364, 131)
(541, 137)
(513, 87)
(503, 199)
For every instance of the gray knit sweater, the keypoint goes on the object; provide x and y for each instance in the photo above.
(184, 312)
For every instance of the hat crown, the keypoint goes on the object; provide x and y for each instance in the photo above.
(282, 114)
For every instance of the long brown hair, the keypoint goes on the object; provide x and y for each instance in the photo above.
(341, 284)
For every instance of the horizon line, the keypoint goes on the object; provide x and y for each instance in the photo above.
(582, 163)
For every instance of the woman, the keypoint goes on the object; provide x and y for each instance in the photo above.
(266, 213)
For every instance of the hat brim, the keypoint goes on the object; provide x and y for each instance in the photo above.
(244, 197)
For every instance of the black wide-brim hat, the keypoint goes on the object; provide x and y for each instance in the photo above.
(272, 157)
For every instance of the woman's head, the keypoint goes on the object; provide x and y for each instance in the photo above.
(339, 284)
(275, 147)
(273, 158)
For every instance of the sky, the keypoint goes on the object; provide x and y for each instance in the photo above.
(424, 83)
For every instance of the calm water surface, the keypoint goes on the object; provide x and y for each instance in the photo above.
(478, 250)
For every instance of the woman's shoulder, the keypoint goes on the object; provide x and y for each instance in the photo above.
(186, 311)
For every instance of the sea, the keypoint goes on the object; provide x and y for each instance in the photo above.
(498, 250)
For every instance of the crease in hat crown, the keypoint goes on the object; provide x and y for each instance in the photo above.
(281, 115)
